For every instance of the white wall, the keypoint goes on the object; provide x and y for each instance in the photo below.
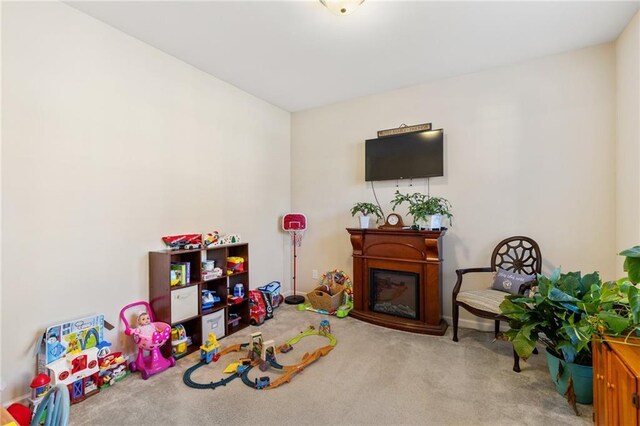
(529, 149)
(628, 138)
(109, 144)
(1, 377)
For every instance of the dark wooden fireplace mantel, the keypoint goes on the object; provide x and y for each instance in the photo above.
(406, 251)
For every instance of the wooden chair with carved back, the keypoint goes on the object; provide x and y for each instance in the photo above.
(514, 254)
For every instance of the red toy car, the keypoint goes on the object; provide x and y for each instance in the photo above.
(258, 310)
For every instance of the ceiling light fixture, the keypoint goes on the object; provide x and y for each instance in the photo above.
(341, 7)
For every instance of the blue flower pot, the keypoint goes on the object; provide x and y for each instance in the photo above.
(582, 378)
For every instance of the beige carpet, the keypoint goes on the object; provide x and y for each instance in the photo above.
(373, 376)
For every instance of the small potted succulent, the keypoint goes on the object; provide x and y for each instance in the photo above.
(366, 209)
(427, 211)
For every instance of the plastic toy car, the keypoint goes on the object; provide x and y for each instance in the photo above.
(262, 382)
(258, 310)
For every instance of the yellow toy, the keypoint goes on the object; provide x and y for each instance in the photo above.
(209, 351)
(178, 340)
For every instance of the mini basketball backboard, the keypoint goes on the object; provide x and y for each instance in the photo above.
(294, 222)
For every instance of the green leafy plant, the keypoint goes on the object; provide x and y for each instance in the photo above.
(632, 263)
(556, 314)
(366, 209)
(616, 307)
(568, 310)
(421, 205)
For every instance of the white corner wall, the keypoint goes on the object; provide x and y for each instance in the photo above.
(628, 138)
(107, 145)
(529, 149)
(1, 377)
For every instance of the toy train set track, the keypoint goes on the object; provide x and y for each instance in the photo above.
(264, 383)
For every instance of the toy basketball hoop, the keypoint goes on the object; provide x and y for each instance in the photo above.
(295, 224)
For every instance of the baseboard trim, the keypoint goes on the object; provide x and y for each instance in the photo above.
(23, 399)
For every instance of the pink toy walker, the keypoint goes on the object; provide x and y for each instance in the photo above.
(154, 362)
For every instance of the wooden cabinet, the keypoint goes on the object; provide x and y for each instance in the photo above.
(182, 304)
(616, 377)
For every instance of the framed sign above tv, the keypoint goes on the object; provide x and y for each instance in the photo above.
(406, 156)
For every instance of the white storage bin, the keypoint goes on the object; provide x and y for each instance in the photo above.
(213, 323)
(184, 303)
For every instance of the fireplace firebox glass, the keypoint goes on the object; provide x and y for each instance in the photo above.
(394, 292)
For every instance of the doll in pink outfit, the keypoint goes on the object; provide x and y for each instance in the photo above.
(145, 328)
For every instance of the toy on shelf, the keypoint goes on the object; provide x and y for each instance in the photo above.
(148, 340)
(238, 290)
(208, 265)
(230, 239)
(209, 299)
(211, 275)
(209, 351)
(326, 304)
(233, 300)
(256, 304)
(211, 239)
(183, 242)
(214, 238)
(235, 265)
(178, 341)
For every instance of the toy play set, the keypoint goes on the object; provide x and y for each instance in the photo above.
(261, 354)
(69, 355)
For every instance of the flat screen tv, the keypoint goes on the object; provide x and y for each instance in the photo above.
(412, 155)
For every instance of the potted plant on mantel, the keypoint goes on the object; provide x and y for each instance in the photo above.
(426, 211)
(566, 312)
(366, 209)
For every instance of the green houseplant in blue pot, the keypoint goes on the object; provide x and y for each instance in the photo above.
(566, 312)
(554, 314)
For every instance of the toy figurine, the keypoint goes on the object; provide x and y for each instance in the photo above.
(209, 351)
(40, 385)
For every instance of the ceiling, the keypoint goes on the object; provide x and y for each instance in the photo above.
(297, 55)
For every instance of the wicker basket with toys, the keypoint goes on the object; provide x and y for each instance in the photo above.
(328, 295)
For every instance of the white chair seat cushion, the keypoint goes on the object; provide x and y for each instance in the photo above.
(486, 299)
